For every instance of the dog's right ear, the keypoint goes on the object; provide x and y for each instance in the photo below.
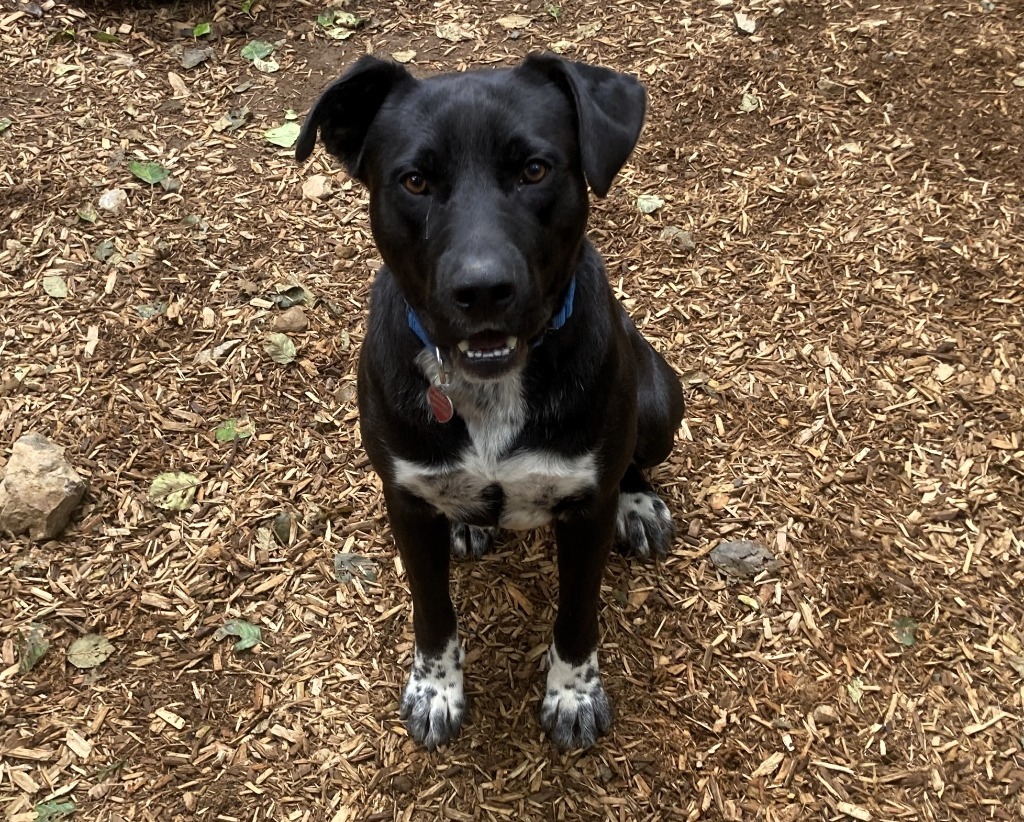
(346, 109)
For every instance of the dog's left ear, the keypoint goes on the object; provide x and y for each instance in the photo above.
(609, 109)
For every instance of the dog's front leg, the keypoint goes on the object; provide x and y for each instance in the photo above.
(434, 701)
(576, 709)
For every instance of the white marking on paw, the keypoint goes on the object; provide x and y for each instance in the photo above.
(470, 540)
(576, 709)
(434, 701)
(643, 523)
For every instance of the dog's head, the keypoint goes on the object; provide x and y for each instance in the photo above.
(478, 188)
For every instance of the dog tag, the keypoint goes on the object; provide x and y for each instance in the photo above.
(440, 404)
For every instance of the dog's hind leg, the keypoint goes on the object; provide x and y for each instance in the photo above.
(471, 540)
(643, 524)
(659, 400)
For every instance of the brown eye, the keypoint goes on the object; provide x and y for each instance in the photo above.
(535, 171)
(414, 183)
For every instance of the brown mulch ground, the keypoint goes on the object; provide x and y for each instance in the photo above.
(849, 325)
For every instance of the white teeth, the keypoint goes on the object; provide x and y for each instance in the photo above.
(489, 353)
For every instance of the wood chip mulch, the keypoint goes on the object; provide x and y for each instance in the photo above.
(848, 323)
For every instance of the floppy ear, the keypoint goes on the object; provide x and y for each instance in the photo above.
(346, 109)
(609, 110)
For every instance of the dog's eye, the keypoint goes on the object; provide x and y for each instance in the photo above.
(415, 183)
(535, 171)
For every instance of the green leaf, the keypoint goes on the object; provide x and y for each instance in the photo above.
(201, 29)
(150, 310)
(339, 32)
(257, 50)
(325, 19)
(249, 635)
(649, 203)
(87, 213)
(104, 251)
(151, 173)
(231, 430)
(905, 630)
(54, 809)
(5, 123)
(233, 120)
(33, 648)
(291, 114)
(246, 6)
(749, 102)
(173, 490)
(284, 135)
(268, 66)
(280, 348)
(89, 651)
(855, 688)
(55, 285)
(347, 565)
(106, 37)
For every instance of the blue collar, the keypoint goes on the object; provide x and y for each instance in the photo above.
(556, 322)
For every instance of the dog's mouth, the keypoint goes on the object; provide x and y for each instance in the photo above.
(489, 354)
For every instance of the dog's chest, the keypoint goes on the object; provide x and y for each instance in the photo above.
(489, 484)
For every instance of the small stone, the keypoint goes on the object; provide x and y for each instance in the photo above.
(402, 784)
(316, 187)
(190, 58)
(745, 24)
(743, 558)
(114, 200)
(40, 489)
(806, 179)
(825, 715)
(282, 527)
(294, 319)
(680, 238)
(831, 87)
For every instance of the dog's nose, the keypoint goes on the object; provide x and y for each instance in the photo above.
(481, 287)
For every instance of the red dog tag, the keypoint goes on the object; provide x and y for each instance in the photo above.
(440, 404)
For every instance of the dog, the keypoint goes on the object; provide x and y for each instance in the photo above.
(501, 384)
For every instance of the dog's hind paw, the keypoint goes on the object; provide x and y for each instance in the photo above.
(470, 540)
(644, 525)
(576, 710)
(434, 702)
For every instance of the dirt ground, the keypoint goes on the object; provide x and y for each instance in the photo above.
(848, 323)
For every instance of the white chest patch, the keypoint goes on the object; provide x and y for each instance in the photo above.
(531, 483)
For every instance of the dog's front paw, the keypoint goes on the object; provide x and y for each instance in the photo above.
(644, 525)
(470, 539)
(576, 710)
(434, 702)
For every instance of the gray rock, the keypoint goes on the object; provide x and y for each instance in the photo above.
(743, 558)
(40, 489)
(190, 58)
(680, 238)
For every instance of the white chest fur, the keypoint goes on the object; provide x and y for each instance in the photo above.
(532, 483)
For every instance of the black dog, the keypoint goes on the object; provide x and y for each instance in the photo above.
(501, 384)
